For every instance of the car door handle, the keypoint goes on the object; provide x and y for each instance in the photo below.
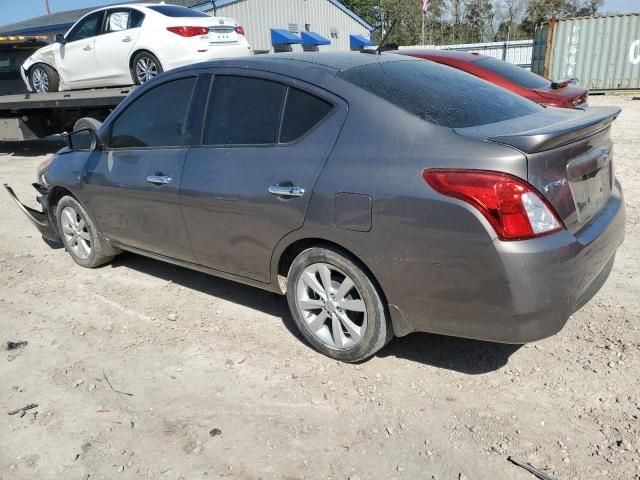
(158, 179)
(127, 39)
(87, 48)
(286, 191)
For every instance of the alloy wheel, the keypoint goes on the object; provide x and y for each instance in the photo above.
(76, 234)
(331, 305)
(40, 80)
(146, 69)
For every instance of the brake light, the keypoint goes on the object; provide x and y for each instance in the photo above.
(514, 208)
(239, 30)
(189, 31)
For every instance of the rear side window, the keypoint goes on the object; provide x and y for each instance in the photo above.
(302, 112)
(156, 119)
(514, 73)
(175, 11)
(244, 111)
(439, 94)
(254, 111)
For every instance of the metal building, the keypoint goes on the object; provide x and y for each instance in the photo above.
(336, 27)
(270, 25)
(602, 53)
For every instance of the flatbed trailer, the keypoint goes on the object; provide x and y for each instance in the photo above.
(29, 116)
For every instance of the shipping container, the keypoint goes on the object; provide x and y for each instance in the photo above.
(601, 53)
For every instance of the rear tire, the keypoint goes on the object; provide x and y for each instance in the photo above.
(336, 305)
(80, 235)
(44, 79)
(144, 67)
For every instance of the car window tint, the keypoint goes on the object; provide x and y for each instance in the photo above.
(302, 112)
(439, 94)
(118, 21)
(176, 11)
(156, 119)
(136, 18)
(89, 27)
(514, 73)
(243, 111)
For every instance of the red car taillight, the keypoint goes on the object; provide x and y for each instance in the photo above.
(239, 30)
(189, 31)
(514, 208)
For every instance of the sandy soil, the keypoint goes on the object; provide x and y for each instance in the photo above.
(228, 389)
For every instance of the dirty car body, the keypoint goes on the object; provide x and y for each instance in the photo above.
(401, 183)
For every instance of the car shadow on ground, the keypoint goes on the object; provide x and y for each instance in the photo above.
(33, 148)
(471, 357)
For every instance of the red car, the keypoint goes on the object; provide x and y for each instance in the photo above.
(514, 78)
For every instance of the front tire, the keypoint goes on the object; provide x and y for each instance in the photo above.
(44, 79)
(80, 235)
(336, 305)
(145, 67)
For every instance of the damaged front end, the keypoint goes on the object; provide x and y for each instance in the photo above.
(44, 221)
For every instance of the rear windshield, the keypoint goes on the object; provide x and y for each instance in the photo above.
(439, 94)
(174, 11)
(512, 72)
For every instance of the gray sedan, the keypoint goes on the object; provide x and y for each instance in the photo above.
(382, 194)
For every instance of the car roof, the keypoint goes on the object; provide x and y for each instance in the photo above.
(462, 56)
(338, 61)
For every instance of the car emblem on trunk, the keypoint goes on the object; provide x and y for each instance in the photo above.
(555, 184)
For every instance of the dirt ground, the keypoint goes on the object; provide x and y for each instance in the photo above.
(229, 389)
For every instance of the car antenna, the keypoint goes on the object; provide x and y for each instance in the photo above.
(384, 39)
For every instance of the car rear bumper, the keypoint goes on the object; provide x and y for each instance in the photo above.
(43, 220)
(518, 292)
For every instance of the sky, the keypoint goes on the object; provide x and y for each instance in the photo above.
(17, 10)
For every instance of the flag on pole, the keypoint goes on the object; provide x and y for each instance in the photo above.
(425, 6)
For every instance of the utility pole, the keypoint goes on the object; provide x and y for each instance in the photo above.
(46, 5)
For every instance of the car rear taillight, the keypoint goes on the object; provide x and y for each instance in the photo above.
(189, 31)
(239, 30)
(514, 208)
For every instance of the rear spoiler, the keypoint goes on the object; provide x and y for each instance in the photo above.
(563, 83)
(590, 122)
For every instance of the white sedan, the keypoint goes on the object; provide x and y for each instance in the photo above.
(127, 44)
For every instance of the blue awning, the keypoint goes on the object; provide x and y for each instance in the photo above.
(313, 38)
(283, 37)
(357, 41)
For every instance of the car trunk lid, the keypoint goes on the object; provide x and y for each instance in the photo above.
(222, 30)
(569, 157)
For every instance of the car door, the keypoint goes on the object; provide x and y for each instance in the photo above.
(132, 185)
(114, 47)
(250, 180)
(78, 65)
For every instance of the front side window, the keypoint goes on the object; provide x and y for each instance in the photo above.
(156, 119)
(88, 27)
(253, 111)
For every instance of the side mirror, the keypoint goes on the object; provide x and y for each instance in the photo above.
(60, 39)
(83, 140)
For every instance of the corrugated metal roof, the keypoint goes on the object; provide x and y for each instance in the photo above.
(63, 20)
